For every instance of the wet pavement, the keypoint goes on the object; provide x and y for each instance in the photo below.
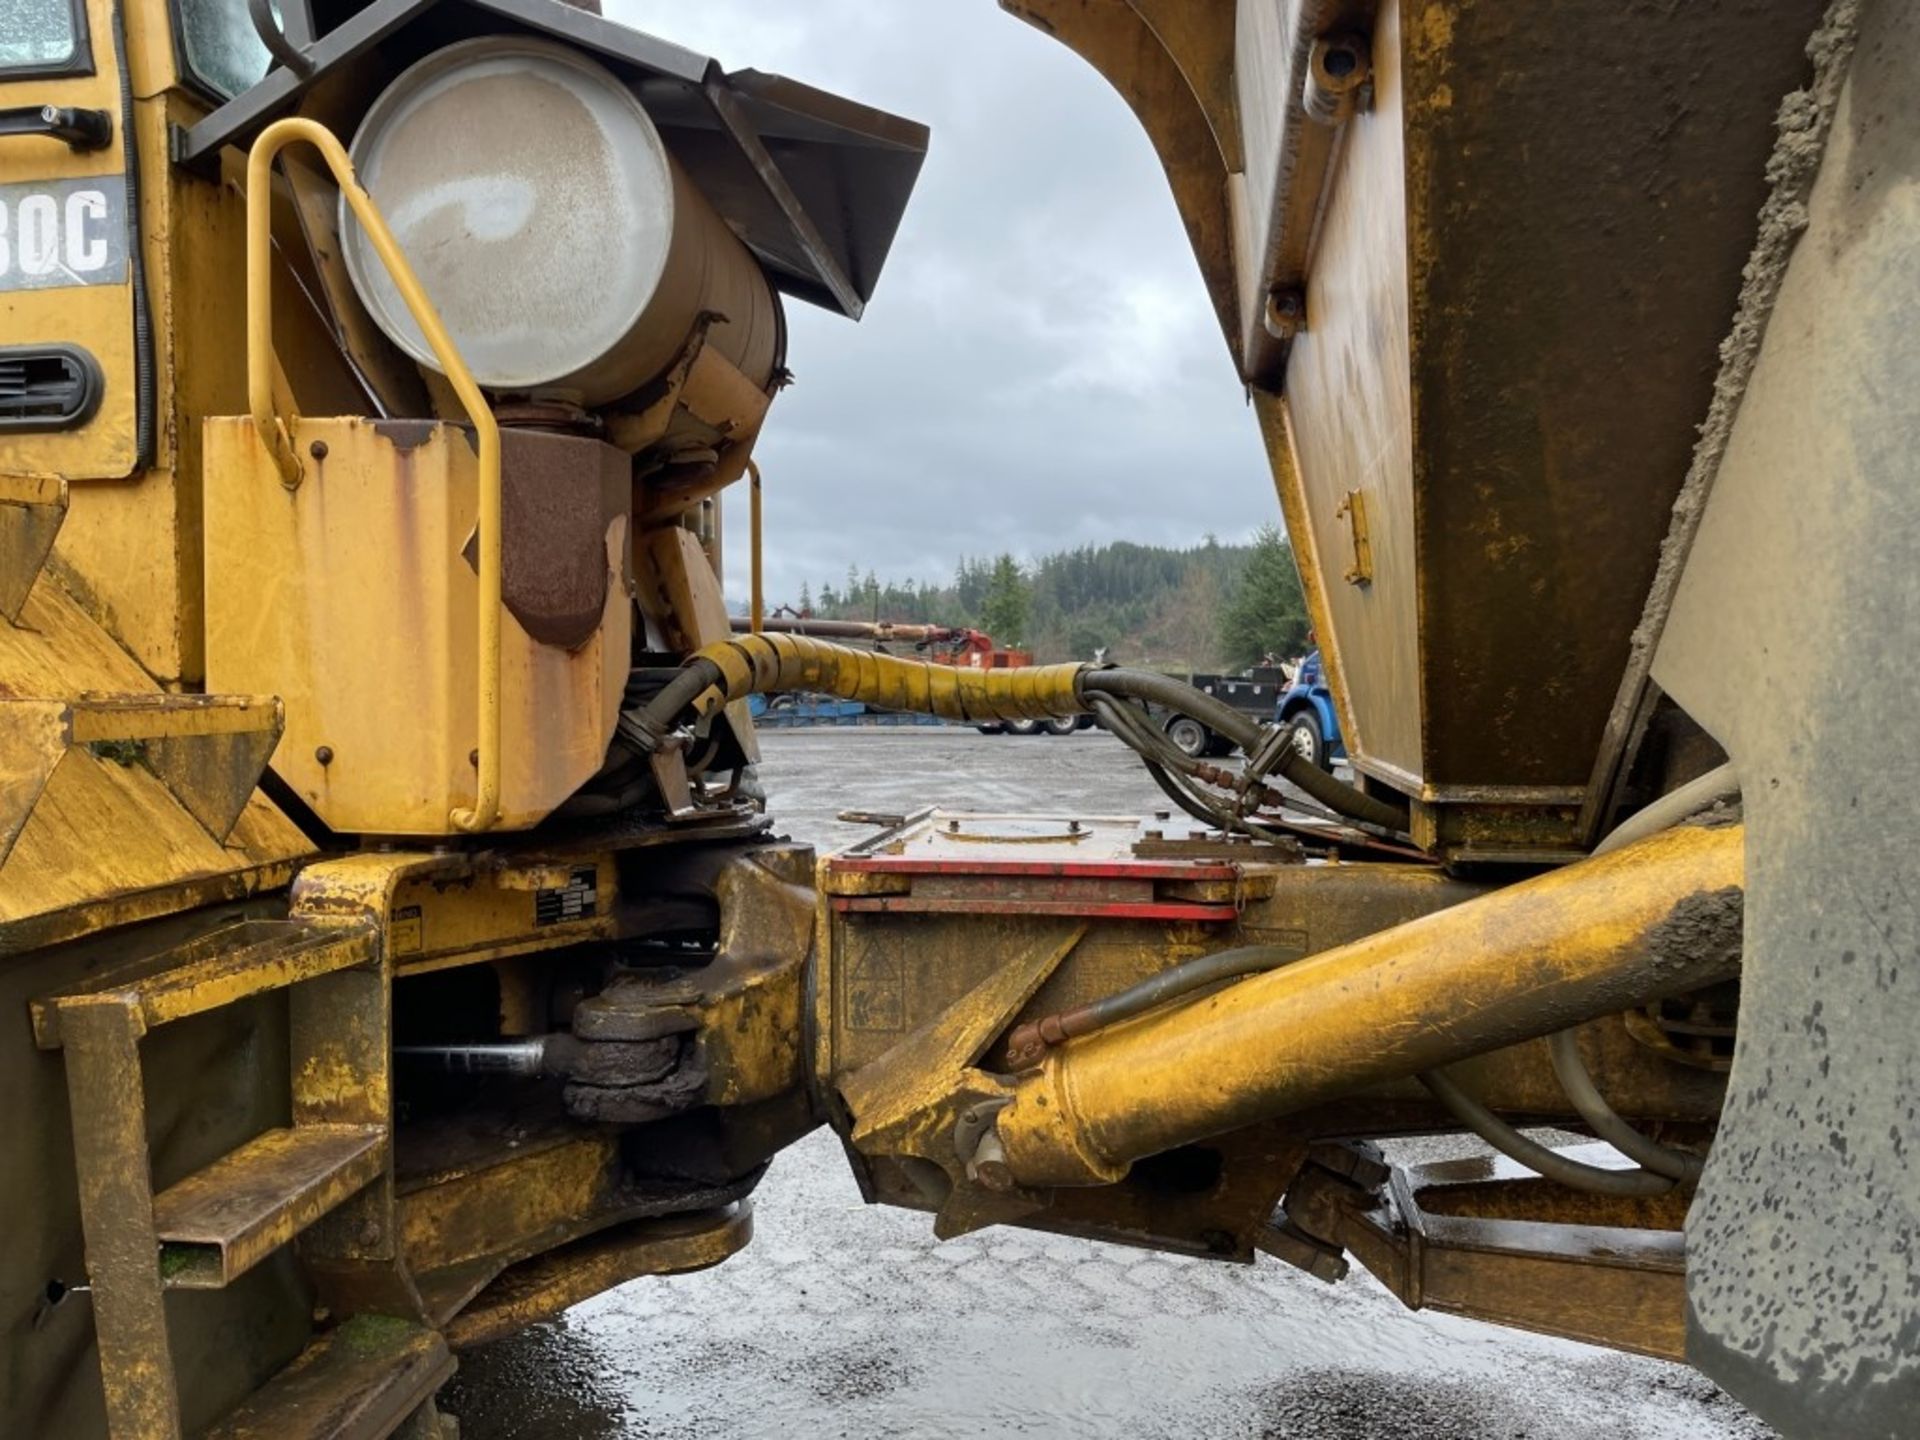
(842, 1320)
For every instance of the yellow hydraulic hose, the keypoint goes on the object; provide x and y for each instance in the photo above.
(770, 664)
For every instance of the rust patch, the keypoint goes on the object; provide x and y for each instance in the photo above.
(405, 436)
(553, 533)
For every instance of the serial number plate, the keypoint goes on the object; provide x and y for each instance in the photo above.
(578, 899)
(56, 233)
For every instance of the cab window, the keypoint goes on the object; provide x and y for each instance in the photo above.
(221, 49)
(40, 36)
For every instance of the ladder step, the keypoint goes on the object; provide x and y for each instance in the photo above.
(222, 968)
(220, 1222)
(358, 1382)
(120, 719)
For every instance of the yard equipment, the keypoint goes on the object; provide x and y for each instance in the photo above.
(397, 947)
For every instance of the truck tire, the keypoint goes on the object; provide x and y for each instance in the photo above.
(1060, 727)
(994, 729)
(1024, 727)
(1189, 735)
(1305, 739)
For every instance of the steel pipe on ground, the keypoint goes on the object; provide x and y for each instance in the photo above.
(1648, 920)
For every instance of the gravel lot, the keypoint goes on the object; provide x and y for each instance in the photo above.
(840, 1320)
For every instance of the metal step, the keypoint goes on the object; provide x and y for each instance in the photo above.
(219, 1223)
(358, 1382)
(216, 1224)
(221, 968)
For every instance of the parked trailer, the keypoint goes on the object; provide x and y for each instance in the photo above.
(1255, 692)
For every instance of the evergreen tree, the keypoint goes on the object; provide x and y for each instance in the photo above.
(1266, 612)
(1008, 603)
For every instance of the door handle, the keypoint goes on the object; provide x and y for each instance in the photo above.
(81, 129)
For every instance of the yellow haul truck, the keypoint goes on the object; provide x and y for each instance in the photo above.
(393, 950)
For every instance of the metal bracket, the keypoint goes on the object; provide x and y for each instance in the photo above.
(1354, 510)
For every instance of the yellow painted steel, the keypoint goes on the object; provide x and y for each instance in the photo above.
(542, 1287)
(273, 431)
(352, 598)
(771, 664)
(1558, 950)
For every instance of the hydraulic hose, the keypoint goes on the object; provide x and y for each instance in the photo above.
(772, 663)
(1658, 1162)
(1607, 1123)
(1028, 1042)
(1163, 690)
(1246, 733)
(1532, 1154)
(1340, 797)
(1670, 809)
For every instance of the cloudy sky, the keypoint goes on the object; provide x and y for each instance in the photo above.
(1038, 368)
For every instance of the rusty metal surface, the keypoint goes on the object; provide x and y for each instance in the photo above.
(1500, 346)
(217, 969)
(1346, 423)
(104, 1096)
(365, 569)
(1565, 324)
(357, 1382)
(540, 1288)
(1535, 435)
(1607, 1281)
(220, 1222)
(559, 493)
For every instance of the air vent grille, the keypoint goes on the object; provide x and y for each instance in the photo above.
(47, 387)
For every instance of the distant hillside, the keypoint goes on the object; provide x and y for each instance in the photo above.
(1148, 604)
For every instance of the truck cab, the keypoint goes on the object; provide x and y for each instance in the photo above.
(1305, 708)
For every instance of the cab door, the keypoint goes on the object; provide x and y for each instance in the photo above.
(70, 387)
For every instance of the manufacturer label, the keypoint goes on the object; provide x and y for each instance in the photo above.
(576, 900)
(404, 929)
(56, 233)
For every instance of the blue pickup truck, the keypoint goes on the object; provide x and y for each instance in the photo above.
(1305, 708)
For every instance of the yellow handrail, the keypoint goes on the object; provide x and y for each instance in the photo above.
(273, 431)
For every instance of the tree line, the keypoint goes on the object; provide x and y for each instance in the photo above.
(1206, 607)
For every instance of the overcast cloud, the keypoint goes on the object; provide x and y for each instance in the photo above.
(1039, 367)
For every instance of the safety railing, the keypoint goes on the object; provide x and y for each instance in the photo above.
(279, 440)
